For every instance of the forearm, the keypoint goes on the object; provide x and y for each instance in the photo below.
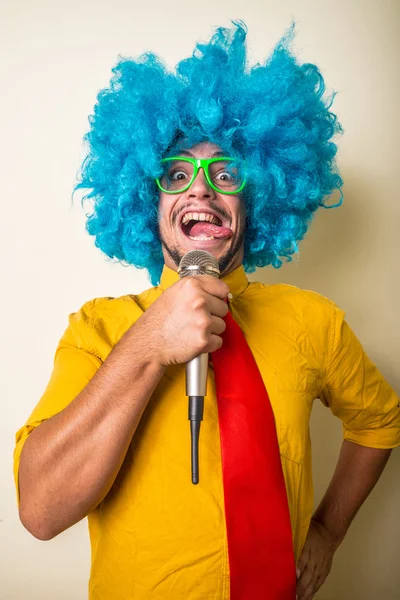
(356, 473)
(70, 461)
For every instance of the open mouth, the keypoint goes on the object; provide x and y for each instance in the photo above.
(204, 226)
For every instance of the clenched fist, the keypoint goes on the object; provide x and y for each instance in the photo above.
(186, 320)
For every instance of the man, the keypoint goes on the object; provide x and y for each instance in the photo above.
(109, 438)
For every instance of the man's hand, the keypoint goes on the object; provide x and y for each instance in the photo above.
(186, 320)
(315, 561)
(356, 473)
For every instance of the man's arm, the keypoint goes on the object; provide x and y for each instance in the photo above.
(70, 461)
(356, 473)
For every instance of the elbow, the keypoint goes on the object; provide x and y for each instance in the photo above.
(36, 524)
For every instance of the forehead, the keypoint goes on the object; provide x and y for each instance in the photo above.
(201, 150)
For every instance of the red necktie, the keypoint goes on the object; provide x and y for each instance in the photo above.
(260, 546)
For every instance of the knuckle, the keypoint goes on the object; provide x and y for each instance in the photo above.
(203, 343)
(203, 323)
(205, 338)
(199, 303)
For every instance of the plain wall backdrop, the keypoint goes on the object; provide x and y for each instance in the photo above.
(55, 57)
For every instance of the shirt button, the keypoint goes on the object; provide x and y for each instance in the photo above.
(230, 296)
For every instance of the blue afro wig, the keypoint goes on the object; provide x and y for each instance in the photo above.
(273, 115)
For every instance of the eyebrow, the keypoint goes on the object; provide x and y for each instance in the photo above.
(187, 153)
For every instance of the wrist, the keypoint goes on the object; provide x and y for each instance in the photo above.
(331, 535)
(147, 352)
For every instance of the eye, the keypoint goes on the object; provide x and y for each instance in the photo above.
(177, 175)
(224, 176)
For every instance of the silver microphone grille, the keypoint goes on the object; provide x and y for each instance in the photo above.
(198, 262)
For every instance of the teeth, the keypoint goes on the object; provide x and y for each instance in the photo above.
(201, 237)
(194, 216)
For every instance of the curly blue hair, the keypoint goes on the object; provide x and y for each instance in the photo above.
(273, 115)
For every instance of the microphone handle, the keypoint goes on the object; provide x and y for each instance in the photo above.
(196, 375)
(196, 389)
(196, 409)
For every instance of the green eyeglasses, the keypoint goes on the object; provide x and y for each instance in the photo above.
(222, 174)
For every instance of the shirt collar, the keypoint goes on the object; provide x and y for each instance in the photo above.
(236, 280)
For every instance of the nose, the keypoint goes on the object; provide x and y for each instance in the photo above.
(200, 187)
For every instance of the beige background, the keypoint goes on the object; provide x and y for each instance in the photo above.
(55, 56)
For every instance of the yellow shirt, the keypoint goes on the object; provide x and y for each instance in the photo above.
(156, 535)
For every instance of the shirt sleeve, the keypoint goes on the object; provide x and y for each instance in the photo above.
(356, 391)
(75, 363)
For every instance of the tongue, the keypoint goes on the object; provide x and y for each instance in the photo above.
(209, 229)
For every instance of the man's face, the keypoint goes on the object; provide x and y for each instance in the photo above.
(181, 219)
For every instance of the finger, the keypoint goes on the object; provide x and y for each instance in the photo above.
(318, 584)
(215, 343)
(217, 307)
(207, 304)
(311, 589)
(213, 286)
(306, 580)
(301, 563)
(309, 592)
(204, 302)
(217, 326)
(320, 574)
(320, 581)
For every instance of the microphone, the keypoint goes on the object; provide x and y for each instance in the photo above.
(197, 262)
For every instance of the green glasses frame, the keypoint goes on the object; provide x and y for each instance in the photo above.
(199, 163)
